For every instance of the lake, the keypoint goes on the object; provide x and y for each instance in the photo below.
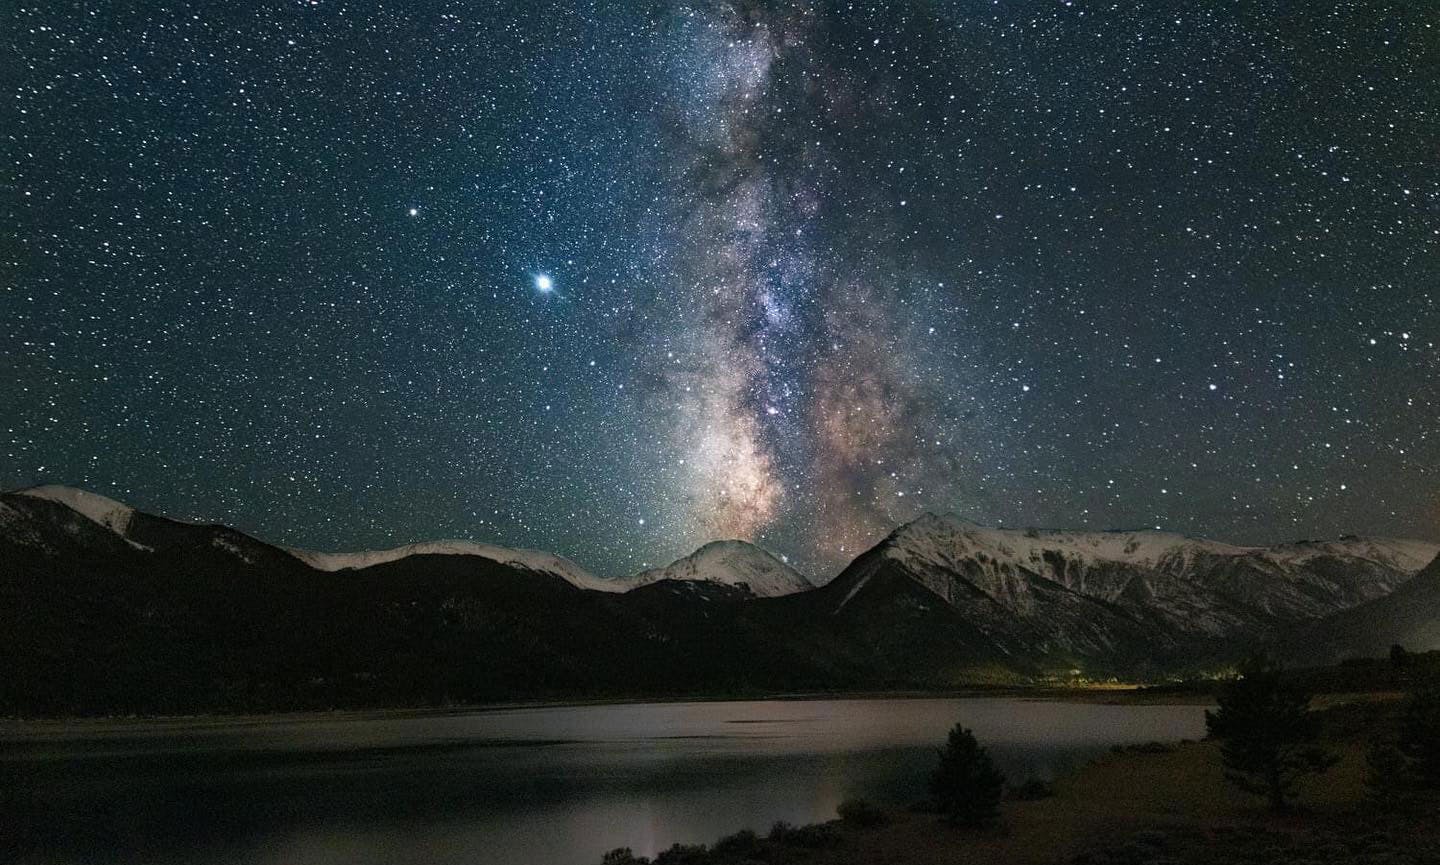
(525, 786)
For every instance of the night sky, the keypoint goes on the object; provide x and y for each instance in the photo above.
(616, 278)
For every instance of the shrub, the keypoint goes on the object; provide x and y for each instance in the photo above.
(1144, 848)
(1387, 773)
(1032, 790)
(1154, 748)
(740, 844)
(1266, 731)
(1143, 748)
(623, 856)
(858, 812)
(813, 836)
(966, 786)
(682, 854)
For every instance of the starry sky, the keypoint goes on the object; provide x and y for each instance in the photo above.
(613, 278)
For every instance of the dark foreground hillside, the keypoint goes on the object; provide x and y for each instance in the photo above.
(179, 619)
(122, 636)
(1159, 804)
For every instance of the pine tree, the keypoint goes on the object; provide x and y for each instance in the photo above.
(1420, 735)
(1267, 733)
(1387, 774)
(966, 786)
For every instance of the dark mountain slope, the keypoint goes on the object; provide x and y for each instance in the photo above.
(177, 618)
(1409, 617)
(1059, 630)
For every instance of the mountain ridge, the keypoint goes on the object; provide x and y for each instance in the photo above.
(104, 608)
(1131, 600)
(1404, 553)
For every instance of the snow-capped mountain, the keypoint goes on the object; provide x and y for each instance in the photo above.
(1070, 557)
(1407, 555)
(731, 563)
(1095, 593)
(60, 521)
(104, 608)
(536, 561)
(145, 532)
(106, 512)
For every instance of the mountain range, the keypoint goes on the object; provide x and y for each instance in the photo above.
(1408, 617)
(108, 609)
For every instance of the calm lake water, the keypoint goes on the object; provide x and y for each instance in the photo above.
(535, 786)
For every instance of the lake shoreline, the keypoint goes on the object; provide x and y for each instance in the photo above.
(1165, 803)
(557, 784)
(1102, 694)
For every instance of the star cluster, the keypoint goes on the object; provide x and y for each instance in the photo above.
(613, 279)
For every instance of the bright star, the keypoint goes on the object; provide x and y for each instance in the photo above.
(414, 211)
(544, 283)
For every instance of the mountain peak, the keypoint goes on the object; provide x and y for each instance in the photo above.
(731, 563)
(933, 520)
(109, 513)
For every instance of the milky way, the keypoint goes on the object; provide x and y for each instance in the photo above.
(615, 279)
(793, 402)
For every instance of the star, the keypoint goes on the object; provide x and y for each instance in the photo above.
(544, 284)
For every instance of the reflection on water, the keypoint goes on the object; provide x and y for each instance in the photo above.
(543, 786)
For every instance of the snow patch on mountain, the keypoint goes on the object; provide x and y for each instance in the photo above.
(528, 560)
(229, 546)
(947, 540)
(107, 512)
(854, 590)
(731, 563)
(1410, 556)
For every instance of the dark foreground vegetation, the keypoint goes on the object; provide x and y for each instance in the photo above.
(1356, 780)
